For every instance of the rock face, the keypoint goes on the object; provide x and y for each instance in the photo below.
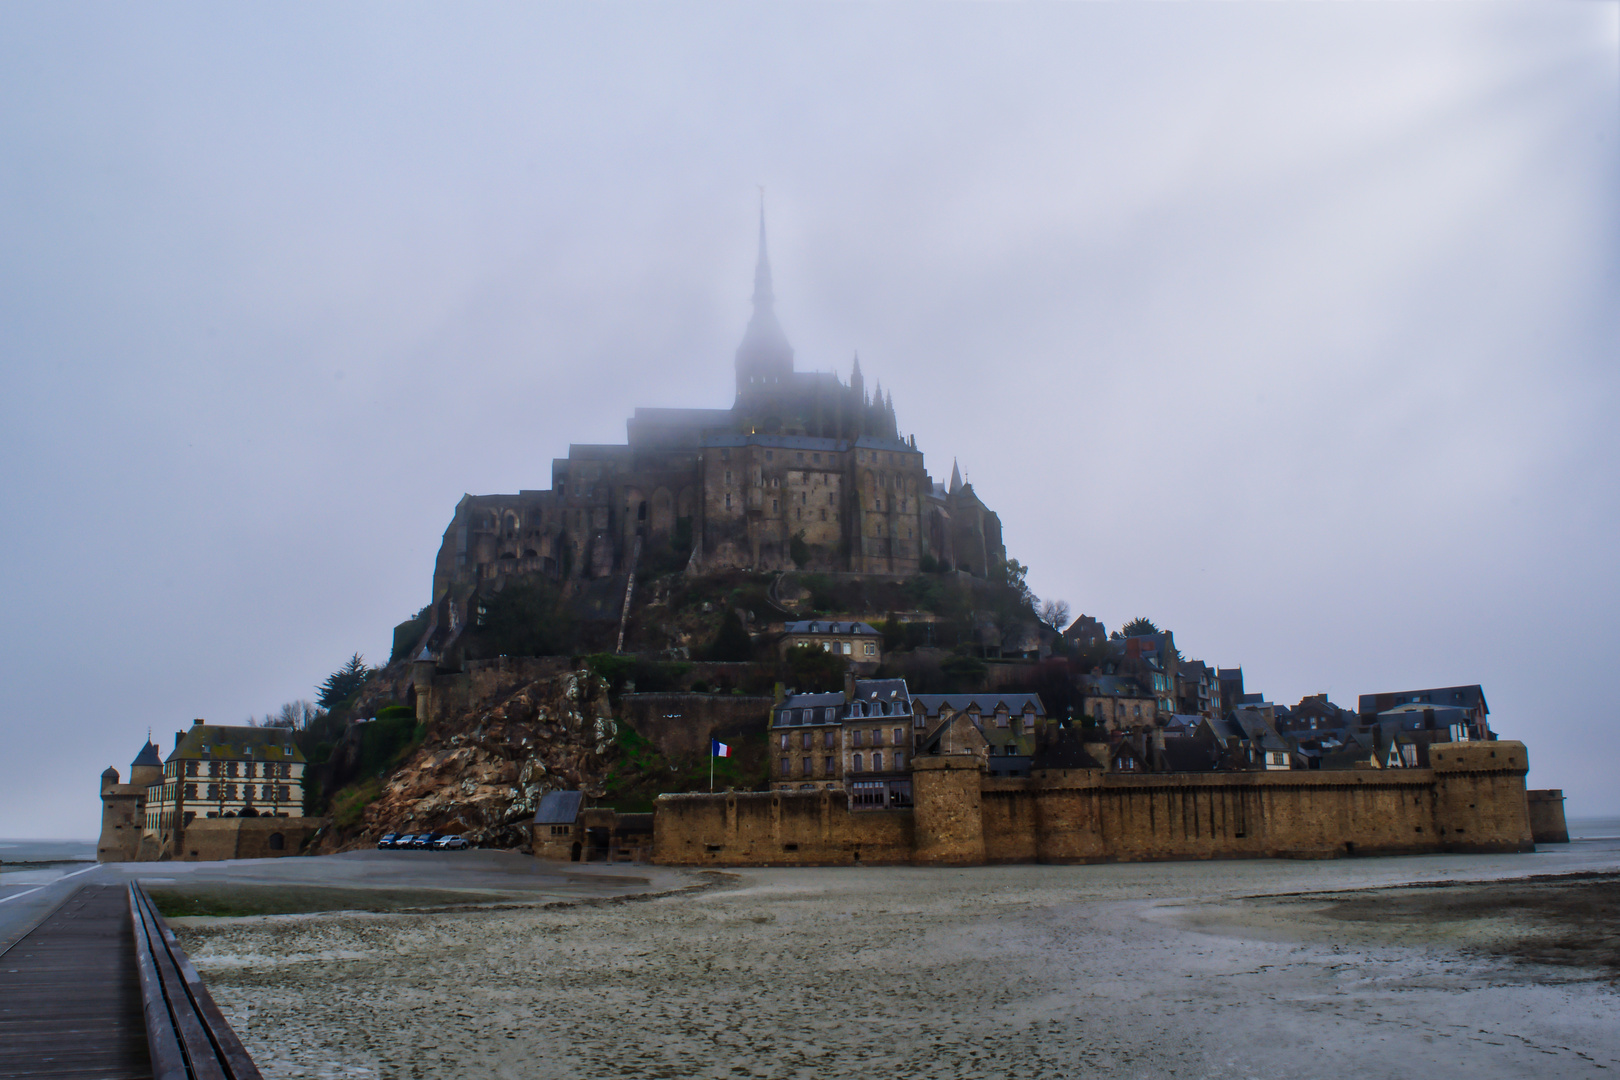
(481, 772)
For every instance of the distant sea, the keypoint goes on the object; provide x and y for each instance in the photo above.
(1584, 828)
(39, 851)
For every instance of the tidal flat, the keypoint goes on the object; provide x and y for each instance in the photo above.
(1489, 966)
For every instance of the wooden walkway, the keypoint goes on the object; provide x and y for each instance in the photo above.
(70, 994)
(101, 990)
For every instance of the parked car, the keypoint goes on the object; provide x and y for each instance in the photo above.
(424, 840)
(386, 840)
(403, 840)
(452, 842)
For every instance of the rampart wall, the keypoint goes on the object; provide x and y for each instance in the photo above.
(1472, 799)
(213, 839)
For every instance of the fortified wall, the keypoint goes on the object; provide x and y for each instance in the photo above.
(1471, 799)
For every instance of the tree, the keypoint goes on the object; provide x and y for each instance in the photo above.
(344, 683)
(1055, 613)
(295, 716)
(1013, 574)
(811, 670)
(732, 641)
(1139, 626)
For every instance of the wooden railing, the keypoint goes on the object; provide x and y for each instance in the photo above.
(186, 1033)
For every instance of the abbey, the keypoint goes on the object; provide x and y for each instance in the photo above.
(803, 469)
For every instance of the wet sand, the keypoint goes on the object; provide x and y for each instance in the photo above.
(1240, 969)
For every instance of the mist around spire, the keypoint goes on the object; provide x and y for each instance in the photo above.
(764, 294)
(764, 358)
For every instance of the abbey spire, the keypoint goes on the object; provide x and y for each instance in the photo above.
(764, 359)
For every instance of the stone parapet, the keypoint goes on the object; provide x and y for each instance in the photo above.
(1472, 801)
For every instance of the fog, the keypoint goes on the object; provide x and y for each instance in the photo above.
(1290, 327)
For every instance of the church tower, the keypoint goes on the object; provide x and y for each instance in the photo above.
(764, 359)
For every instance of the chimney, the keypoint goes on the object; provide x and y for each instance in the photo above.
(177, 737)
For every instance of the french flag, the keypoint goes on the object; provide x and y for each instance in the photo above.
(718, 749)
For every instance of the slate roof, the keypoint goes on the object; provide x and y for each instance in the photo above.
(818, 626)
(988, 703)
(1063, 751)
(1186, 755)
(882, 689)
(835, 701)
(1113, 686)
(148, 756)
(1462, 697)
(559, 808)
(781, 442)
(217, 742)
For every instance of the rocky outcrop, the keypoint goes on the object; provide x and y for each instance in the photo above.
(481, 771)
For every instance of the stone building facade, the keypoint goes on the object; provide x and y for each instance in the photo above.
(214, 773)
(803, 463)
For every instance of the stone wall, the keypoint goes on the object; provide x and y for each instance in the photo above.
(1471, 800)
(213, 839)
(681, 725)
(1547, 816)
(777, 829)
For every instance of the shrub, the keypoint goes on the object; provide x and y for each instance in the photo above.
(732, 641)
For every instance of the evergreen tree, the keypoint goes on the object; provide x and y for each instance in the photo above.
(344, 683)
(732, 642)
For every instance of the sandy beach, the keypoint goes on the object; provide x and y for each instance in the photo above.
(1486, 967)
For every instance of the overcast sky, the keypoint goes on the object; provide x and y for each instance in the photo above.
(1293, 328)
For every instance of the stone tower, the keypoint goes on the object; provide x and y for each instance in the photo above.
(123, 806)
